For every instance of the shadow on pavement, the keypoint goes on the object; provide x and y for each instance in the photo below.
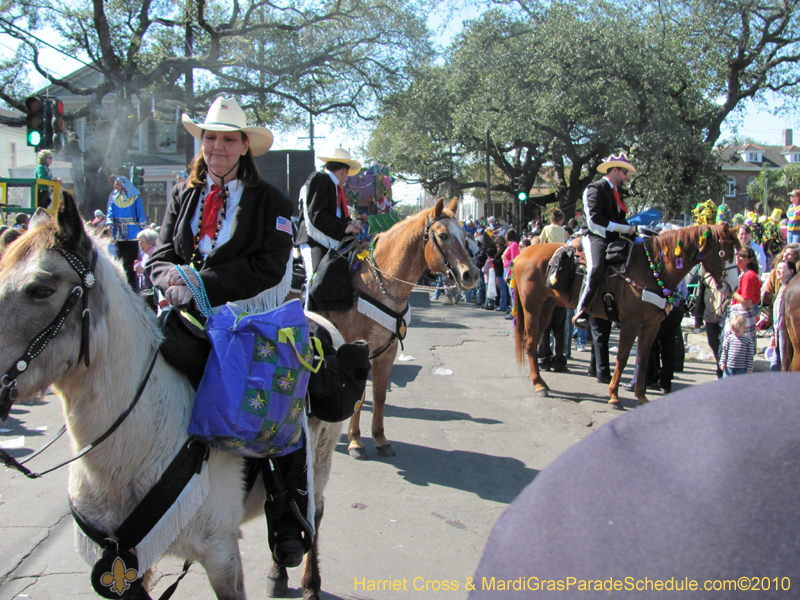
(495, 478)
(403, 374)
(434, 414)
(422, 324)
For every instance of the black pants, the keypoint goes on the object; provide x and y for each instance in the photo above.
(594, 248)
(661, 364)
(713, 334)
(128, 253)
(556, 327)
(600, 330)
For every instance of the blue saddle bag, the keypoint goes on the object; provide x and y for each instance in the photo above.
(251, 399)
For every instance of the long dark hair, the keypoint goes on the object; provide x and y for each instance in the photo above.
(749, 253)
(247, 172)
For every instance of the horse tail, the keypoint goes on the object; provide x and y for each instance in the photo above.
(519, 331)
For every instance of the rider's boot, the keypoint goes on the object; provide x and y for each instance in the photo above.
(288, 530)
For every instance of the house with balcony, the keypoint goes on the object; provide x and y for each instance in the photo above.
(742, 163)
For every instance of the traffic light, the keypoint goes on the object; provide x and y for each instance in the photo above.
(57, 124)
(34, 121)
(137, 176)
(47, 136)
(522, 193)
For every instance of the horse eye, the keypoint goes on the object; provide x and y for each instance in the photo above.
(38, 291)
(442, 236)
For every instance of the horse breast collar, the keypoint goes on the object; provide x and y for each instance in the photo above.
(8, 382)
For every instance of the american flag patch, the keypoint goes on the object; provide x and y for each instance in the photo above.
(284, 225)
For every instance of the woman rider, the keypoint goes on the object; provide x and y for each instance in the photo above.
(235, 229)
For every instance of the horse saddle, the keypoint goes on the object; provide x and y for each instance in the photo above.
(618, 252)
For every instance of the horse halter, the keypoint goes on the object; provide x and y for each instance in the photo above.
(427, 235)
(722, 267)
(8, 382)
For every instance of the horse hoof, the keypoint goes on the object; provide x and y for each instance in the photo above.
(277, 587)
(643, 401)
(311, 595)
(542, 393)
(385, 451)
(358, 453)
(616, 405)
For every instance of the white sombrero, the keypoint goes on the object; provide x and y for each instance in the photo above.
(226, 115)
(615, 160)
(342, 156)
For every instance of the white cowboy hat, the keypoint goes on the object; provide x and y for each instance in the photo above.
(342, 156)
(615, 160)
(226, 115)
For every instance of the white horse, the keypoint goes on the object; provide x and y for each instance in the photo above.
(108, 482)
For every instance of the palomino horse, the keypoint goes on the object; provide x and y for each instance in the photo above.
(433, 239)
(41, 274)
(790, 351)
(713, 246)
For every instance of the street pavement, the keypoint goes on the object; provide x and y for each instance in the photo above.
(469, 436)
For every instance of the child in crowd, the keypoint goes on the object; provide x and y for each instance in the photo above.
(738, 350)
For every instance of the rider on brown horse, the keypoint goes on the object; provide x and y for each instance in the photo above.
(605, 217)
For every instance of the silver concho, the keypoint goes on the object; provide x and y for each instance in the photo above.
(89, 280)
(22, 365)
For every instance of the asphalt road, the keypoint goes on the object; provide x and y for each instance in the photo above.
(469, 436)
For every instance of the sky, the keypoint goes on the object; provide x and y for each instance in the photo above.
(757, 123)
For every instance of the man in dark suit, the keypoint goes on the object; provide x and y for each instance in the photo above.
(324, 214)
(605, 218)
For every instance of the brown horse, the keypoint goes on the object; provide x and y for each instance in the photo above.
(433, 239)
(791, 323)
(713, 246)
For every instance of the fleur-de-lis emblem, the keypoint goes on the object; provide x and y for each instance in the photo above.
(295, 436)
(119, 578)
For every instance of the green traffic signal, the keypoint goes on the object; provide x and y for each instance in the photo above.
(34, 138)
(34, 121)
(522, 195)
(137, 176)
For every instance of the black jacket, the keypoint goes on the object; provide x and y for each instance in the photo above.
(321, 203)
(253, 259)
(601, 208)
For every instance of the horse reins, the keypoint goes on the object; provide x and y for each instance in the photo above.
(8, 382)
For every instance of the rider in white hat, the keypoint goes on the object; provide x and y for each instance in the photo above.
(235, 230)
(605, 217)
(324, 214)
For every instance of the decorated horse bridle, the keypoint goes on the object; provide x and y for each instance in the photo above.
(427, 235)
(722, 267)
(8, 382)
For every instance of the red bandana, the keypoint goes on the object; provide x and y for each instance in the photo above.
(213, 204)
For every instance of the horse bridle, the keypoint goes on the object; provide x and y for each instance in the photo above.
(722, 267)
(8, 382)
(427, 235)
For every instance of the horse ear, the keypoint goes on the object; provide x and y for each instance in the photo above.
(453, 206)
(40, 217)
(69, 222)
(437, 210)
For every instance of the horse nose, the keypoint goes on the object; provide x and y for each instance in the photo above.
(466, 276)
